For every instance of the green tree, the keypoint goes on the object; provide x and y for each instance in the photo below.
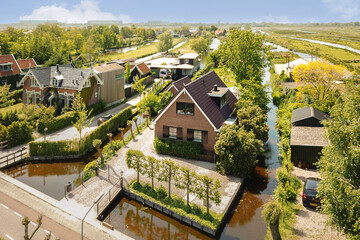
(186, 179)
(340, 165)
(237, 150)
(4, 44)
(168, 169)
(184, 30)
(165, 41)
(127, 74)
(271, 213)
(82, 120)
(138, 85)
(252, 118)
(5, 99)
(136, 159)
(207, 189)
(89, 50)
(152, 168)
(245, 54)
(97, 144)
(200, 45)
(19, 132)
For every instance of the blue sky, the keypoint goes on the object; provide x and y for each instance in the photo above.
(205, 11)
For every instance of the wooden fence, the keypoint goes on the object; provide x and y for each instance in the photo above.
(13, 158)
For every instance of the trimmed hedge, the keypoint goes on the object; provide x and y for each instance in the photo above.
(57, 123)
(18, 133)
(190, 150)
(65, 148)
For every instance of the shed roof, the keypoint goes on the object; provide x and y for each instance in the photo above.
(308, 136)
(142, 67)
(189, 56)
(108, 67)
(308, 112)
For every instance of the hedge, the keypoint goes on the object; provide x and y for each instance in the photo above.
(65, 148)
(190, 150)
(18, 133)
(57, 123)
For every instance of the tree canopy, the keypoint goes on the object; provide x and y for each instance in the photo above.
(165, 41)
(340, 165)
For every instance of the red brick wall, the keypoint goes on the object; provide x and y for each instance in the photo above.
(196, 122)
(27, 86)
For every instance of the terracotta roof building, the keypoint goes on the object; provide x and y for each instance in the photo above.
(9, 65)
(27, 63)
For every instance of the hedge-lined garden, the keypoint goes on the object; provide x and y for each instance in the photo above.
(168, 171)
(190, 150)
(65, 148)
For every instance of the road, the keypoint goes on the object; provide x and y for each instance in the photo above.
(12, 212)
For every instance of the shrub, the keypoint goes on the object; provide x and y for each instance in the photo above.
(97, 108)
(57, 123)
(90, 170)
(195, 209)
(161, 192)
(190, 150)
(19, 132)
(137, 186)
(8, 118)
(58, 148)
(3, 133)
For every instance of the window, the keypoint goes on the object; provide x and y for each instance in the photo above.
(172, 132)
(29, 98)
(185, 108)
(70, 100)
(118, 77)
(7, 67)
(34, 83)
(37, 98)
(4, 82)
(54, 82)
(87, 83)
(223, 100)
(197, 136)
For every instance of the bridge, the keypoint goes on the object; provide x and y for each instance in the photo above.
(13, 158)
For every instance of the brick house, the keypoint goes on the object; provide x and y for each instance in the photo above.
(197, 112)
(61, 83)
(178, 85)
(10, 71)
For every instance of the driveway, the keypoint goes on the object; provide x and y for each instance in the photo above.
(311, 224)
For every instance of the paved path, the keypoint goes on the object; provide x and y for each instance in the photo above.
(144, 142)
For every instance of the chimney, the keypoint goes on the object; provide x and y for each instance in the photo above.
(215, 88)
(58, 68)
(81, 74)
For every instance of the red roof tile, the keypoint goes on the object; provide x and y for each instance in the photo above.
(143, 68)
(25, 63)
(9, 59)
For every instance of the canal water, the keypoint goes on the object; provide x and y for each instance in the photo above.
(51, 178)
(140, 222)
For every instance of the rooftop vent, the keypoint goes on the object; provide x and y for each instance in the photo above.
(215, 88)
(82, 74)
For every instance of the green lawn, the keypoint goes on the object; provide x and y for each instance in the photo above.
(185, 48)
(141, 51)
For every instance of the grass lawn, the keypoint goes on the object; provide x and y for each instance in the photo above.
(141, 51)
(185, 48)
(16, 107)
(332, 54)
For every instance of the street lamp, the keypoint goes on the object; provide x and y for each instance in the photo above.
(82, 222)
(45, 129)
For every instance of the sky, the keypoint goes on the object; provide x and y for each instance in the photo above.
(189, 11)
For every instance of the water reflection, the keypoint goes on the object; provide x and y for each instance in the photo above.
(49, 178)
(139, 222)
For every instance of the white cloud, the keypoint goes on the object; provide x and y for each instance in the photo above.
(80, 13)
(347, 8)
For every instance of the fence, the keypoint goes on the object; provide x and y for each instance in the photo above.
(13, 158)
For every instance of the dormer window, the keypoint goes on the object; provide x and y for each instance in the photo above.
(87, 83)
(6, 67)
(55, 82)
(223, 100)
(219, 95)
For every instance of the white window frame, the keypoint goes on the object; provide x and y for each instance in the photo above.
(173, 130)
(87, 83)
(29, 96)
(36, 97)
(55, 82)
(197, 136)
(34, 83)
(6, 70)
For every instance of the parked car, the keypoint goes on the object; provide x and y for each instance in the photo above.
(309, 197)
(104, 119)
(163, 73)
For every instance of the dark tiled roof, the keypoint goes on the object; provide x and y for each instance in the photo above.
(25, 63)
(308, 136)
(179, 84)
(70, 76)
(9, 59)
(199, 90)
(308, 112)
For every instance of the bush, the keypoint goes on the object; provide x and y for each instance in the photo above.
(18, 133)
(161, 192)
(137, 186)
(195, 209)
(8, 118)
(97, 108)
(3, 133)
(57, 123)
(90, 170)
(190, 150)
(58, 148)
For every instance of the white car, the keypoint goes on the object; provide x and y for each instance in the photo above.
(163, 73)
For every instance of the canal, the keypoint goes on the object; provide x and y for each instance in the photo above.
(140, 222)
